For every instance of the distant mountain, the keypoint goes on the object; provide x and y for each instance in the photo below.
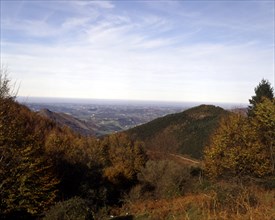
(187, 132)
(65, 119)
(242, 111)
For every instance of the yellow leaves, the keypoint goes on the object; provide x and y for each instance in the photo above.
(125, 158)
(265, 115)
(27, 179)
(237, 148)
(117, 173)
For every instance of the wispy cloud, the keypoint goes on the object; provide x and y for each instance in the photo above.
(100, 4)
(101, 49)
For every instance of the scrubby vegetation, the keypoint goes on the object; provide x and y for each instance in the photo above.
(217, 201)
(49, 172)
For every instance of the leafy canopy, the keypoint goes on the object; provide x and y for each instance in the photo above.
(244, 146)
(27, 180)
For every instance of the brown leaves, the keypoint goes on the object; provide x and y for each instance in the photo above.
(27, 179)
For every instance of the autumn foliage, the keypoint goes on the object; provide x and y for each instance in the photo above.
(42, 163)
(244, 146)
(48, 171)
(27, 177)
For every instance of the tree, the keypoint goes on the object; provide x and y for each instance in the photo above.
(125, 158)
(76, 160)
(237, 148)
(264, 123)
(27, 180)
(264, 89)
(5, 84)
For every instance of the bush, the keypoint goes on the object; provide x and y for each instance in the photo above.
(231, 197)
(160, 179)
(72, 209)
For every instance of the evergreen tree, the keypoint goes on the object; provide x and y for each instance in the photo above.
(264, 89)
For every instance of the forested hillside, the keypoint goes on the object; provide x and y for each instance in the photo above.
(52, 173)
(187, 132)
(42, 163)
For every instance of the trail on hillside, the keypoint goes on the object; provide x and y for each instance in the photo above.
(154, 154)
(185, 159)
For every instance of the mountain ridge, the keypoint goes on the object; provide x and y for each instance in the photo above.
(60, 118)
(187, 132)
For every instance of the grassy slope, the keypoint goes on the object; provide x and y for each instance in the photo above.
(203, 206)
(186, 132)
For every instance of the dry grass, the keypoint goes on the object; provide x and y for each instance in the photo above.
(204, 206)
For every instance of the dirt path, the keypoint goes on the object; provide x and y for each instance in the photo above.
(159, 155)
(185, 159)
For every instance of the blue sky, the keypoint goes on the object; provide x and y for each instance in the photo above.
(205, 51)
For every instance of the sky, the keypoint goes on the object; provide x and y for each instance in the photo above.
(203, 51)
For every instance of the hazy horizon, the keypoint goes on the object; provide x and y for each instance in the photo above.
(60, 100)
(171, 51)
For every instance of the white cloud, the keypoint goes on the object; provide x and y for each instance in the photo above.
(125, 56)
(181, 73)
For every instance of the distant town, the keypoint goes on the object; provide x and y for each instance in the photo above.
(110, 116)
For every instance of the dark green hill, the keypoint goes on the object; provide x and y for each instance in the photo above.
(186, 132)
